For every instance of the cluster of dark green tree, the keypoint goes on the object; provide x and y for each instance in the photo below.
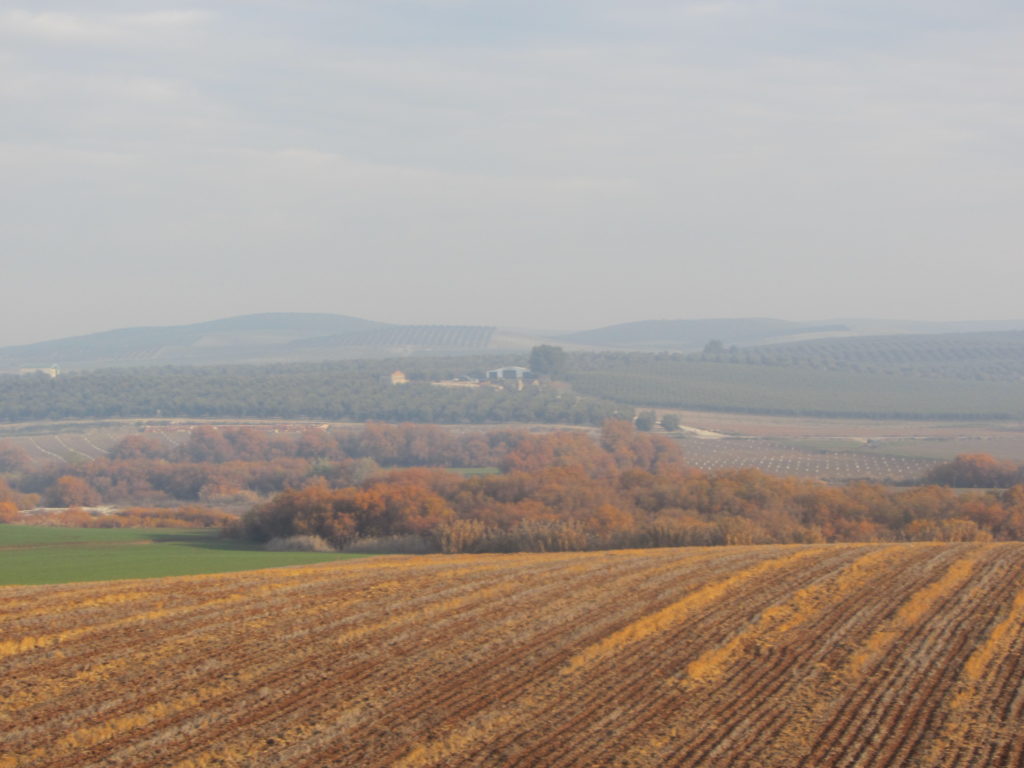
(567, 491)
(337, 391)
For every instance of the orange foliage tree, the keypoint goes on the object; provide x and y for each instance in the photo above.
(976, 470)
(70, 491)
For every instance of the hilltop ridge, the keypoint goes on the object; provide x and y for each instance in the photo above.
(288, 337)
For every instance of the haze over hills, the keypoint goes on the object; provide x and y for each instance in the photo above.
(269, 337)
(313, 337)
(687, 335)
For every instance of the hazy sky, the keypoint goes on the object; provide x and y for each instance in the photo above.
(558, 164)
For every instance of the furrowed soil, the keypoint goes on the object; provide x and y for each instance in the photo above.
(822, 655)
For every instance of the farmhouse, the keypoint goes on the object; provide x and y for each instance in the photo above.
(52, 371)
(511, 372)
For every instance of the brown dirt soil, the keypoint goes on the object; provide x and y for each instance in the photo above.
(828, 655)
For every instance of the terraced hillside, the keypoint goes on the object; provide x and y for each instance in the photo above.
(974, 356)
(829, 655)
(260, 338)
(646, 380)
(401, 337)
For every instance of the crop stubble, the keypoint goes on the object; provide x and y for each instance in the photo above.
(825, 655)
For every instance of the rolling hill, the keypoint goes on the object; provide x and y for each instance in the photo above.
(977, 356)
(260, 338)
(287, 337)
(688, 335)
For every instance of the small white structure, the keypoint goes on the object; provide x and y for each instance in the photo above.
(511, 372)
(51, 372)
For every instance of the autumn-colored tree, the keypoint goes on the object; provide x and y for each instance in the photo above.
(608, 521)
(8, 512)
(927, 502)
(534, 453)
(975, 470)
(382, 442)
(461, 536)
(207, 444)
(630, 449)
(313, 510)
(249, 444)
(317, 444)
(19, 500)
(557, 489)
(139, 447)
(70, 491)
(347, 471)
(74, 517)
(742, 530)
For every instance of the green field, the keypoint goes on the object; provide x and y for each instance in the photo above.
(648, 381)
(33, 555)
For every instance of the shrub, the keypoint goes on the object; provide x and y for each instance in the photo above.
(303, 543)
(646, 420)
(670, 422)
(8, 512)
(409, 544)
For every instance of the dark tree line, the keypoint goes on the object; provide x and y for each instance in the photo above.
(355, 391)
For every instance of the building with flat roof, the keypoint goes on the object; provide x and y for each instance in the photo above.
(510, 372)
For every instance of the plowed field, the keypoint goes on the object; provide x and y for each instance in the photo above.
(785, 460)
(831, 655)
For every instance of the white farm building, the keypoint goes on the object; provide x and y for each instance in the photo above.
(511, 372)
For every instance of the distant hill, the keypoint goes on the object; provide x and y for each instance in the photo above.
(950, 375)
(421, 337)
(876, 327)
(687, 335)
(270, 337)
(993, 356)
(286, 337)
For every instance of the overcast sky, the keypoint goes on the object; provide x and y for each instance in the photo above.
(558, 165)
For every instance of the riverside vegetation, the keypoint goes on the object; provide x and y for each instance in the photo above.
(536, 491)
